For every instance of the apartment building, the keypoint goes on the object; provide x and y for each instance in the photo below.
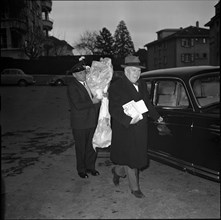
(24, 23)
(179, 47)
(214, 43)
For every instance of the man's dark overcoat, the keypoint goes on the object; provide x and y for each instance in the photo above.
(129, 141)
(84, 114)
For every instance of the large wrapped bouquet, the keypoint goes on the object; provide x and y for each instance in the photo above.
(98, 80)
(99, 77)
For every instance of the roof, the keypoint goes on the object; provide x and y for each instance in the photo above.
(168, 29)
(180, 71)
(60, 42)
(190, 31)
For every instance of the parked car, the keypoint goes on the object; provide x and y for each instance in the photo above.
(16, 77)
(60, 80)
(188, 98)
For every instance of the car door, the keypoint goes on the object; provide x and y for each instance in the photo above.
(206, 124)
(171, 100)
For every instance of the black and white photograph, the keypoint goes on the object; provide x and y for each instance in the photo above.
(110, 109)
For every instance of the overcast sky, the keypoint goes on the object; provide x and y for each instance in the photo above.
(143, 18)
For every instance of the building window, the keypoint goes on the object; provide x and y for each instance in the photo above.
(44, 16)
(204, 40)
(186, 42)
(192, 42)
(182, 57)
(187, 57)
(204, 55)
(16, 38)
(165, 45)
(197, 56)
(165, 60)
(3, 38)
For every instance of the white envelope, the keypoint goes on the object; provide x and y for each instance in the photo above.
(133, 108)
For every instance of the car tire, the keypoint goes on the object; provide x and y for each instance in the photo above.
(22, 82)
(59, 83)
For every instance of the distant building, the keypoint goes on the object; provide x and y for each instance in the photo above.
(214, 25)
(56, 47)
(179, 47)
(21, 22)
(142, 54)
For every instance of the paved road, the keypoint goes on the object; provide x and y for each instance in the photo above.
(41, 182)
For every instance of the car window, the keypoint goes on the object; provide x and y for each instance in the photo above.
(11, 72)
(206, 90)
(148, 83)
(5, 72)
(170, 93)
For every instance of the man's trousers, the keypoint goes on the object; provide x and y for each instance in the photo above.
(132, 175)
(85, 154)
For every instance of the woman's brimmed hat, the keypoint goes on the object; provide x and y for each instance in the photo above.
(132, 61)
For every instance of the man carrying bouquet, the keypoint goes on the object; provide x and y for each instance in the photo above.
(129, 130)
(84, 110)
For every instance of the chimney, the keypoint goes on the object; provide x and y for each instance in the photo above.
(197, 24)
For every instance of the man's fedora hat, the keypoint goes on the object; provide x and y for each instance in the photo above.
(79, 66)
(132, 61)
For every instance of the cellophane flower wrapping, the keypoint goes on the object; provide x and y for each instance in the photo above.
(99, 77)
(98, 80)
(103, 133)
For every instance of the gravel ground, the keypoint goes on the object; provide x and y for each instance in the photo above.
(40, 179)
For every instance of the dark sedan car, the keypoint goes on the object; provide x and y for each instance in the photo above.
(188, 98)
(60, 80)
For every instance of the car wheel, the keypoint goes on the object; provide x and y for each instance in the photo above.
(22, 83)
(59, 83)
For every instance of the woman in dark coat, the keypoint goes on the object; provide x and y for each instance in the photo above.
(129, 135)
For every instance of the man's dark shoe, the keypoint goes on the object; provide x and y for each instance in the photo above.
(116, 178)
(138, 194)
(93, 172)
(83, 175)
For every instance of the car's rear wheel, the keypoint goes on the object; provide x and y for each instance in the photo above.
(59, 83)
(22, 83)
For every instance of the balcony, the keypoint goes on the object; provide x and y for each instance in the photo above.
(47, 24)
(14, 23)
(46, 5)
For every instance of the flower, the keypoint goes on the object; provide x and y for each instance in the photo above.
(99, 77)
(81, 58)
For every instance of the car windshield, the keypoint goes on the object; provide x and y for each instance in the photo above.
(206, 89)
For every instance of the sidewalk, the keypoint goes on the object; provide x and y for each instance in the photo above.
(51, 189)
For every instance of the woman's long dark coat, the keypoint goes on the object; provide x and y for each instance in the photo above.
(129, 141)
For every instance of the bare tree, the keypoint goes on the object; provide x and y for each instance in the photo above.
(34, 44)
(87, 42)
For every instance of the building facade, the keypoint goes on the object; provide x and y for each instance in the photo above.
(179, 47)
(56, 47)
(24, 22)
(214, 25)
